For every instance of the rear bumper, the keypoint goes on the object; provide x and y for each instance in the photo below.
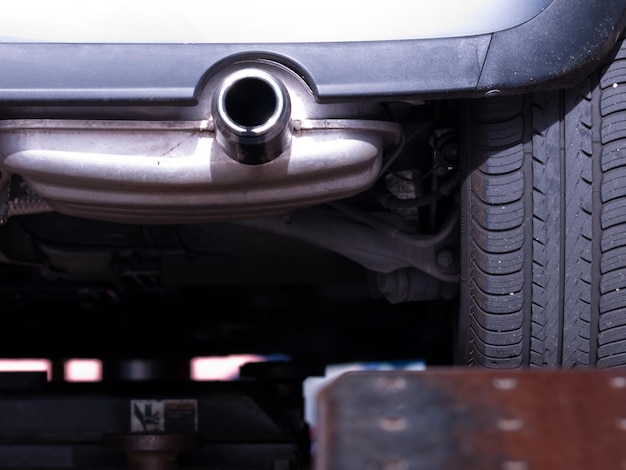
(556, 47)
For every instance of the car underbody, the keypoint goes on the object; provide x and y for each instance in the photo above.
(446, 191)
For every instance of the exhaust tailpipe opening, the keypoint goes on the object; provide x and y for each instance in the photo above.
(251, 110)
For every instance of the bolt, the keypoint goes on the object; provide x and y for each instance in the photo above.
(450, 153)
(510, 424)
(618, 382)
(392, 383)
(515, 465)
(445, 258)
(504, 383)
(440, 170)
(396, 464)
(393, 424)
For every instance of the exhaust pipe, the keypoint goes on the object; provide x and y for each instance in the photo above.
(251, 111)
(258, 143)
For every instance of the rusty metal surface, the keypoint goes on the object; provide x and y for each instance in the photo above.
(473, 420)
(152, 451)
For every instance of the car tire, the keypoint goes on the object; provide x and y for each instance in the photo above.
(543, 226)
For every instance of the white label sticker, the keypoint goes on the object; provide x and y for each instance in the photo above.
(173, 416)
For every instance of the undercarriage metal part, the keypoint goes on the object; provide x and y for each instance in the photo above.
(147, 425)
(257, 143)
(152, 451)
(413, 285)
(371, 242)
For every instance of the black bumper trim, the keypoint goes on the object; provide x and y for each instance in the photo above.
(558, 48)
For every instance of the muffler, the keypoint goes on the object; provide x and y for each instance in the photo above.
(251, 111)
(257, 143)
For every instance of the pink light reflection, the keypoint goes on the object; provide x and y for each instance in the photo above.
(83, 370)
(26, 365)
(90, 370)
(220, 368)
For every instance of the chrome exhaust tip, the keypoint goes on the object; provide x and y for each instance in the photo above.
(251, 111)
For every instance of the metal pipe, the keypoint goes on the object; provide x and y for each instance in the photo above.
(251, 111)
